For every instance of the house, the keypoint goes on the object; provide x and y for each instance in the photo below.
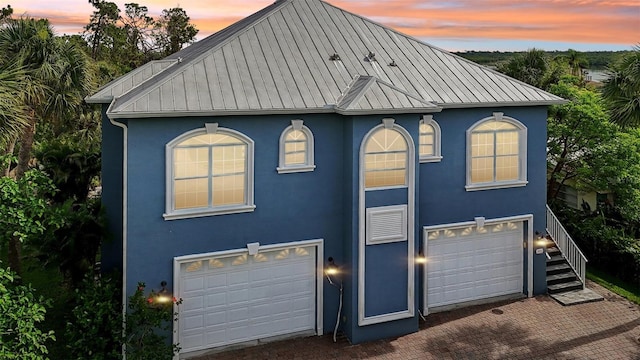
(305, 138)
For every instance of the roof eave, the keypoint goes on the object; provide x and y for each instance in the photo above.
(503, 104)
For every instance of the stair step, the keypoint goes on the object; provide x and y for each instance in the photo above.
(558, 288)
(559, 268)
(561, 278)
(555, 260)
(553, 251)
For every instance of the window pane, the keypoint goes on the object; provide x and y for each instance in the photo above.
(507, 143)
(295, 159)
(426, 129)
(191, 193)
(482, 170)
(494, 125)
(296, 135)
(507, 168)
(211, 139)
(228, 190)
(384, 178)
(191, 162)
(385, 140)
(482, 144)
(426, 150)
(229, 159)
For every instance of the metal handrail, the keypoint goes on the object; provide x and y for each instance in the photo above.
(567, 246)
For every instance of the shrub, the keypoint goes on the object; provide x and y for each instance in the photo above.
(94, 331)
(20, 314)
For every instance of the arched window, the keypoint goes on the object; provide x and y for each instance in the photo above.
(385, 159)
(496, 153)
(209, 172)
(429, 140)
(296, 149)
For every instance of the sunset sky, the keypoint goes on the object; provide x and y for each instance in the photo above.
(504, 25)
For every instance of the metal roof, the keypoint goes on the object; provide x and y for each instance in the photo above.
(302, 56)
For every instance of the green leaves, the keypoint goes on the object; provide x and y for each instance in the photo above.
(622, 90)
(20, 335)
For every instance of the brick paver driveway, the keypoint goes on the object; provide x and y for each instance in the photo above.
(536, 328)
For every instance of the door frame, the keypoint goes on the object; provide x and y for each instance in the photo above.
(528, 244)
(317, 243)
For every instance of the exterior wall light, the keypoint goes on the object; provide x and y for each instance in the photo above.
(162, 297)
(331, 269)
(421, 259)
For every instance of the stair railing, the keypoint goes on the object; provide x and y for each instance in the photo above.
(566, 245)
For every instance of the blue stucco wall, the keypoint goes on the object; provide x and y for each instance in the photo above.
(443, 198)
(318, 204)
(111, 172)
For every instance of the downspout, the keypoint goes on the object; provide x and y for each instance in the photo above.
(124, 228)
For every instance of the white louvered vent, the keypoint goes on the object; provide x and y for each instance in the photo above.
(386, 224)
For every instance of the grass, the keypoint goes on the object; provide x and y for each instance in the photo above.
(626, 290)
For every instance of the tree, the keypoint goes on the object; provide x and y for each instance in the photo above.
(576, 62)
(575, 130)
(174, 31)
(12, 110)
(20, 333)
(533, 67)
(102, 27)
(139, 27)
(622, 90)
(54, 83)
(6, 12)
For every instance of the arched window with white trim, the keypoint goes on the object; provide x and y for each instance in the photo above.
(429, 140)
(296, 149)
(496, 153)
(385, 159)
(209, 172)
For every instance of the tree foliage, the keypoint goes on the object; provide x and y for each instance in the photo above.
(22, 312)
(622, 90)
(175, 31)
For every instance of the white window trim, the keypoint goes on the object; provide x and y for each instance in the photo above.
(437, 139)
(364, 320)
(522, 156)
(309, 164)
(248, 206)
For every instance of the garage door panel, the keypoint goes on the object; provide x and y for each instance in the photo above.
(470, 264)
(247, 297)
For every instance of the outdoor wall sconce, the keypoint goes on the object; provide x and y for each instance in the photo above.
(332, 271)
(541, 241)
(421, 259)
(162, 297)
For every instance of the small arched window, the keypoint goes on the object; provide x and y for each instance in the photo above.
(296, 149)
(496, 153)
(385, 159)
(209, 172)
(429, 140)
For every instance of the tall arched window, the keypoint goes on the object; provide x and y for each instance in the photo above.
(429, 140)
(296, 149)
(209, 172)
(385, 159)
(496, 153)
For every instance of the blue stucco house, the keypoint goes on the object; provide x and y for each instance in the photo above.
(303, 139)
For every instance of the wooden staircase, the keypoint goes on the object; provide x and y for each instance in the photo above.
(560, 276)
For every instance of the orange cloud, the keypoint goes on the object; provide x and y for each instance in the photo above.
(584, 21)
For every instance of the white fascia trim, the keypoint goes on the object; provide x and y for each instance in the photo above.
(496, 185)
(318, 243)
(124, 226)
(410, 312)
(209, 212)
(524, 218)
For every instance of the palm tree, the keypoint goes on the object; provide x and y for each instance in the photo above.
(621, 90)
(54, 81)
(12, 109)
(576, 61)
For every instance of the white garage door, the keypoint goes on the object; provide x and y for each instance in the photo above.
(232, 299)
(467, 264)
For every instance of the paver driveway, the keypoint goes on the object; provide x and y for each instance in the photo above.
(536, 328)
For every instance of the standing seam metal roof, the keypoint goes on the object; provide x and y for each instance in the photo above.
(279, 60)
